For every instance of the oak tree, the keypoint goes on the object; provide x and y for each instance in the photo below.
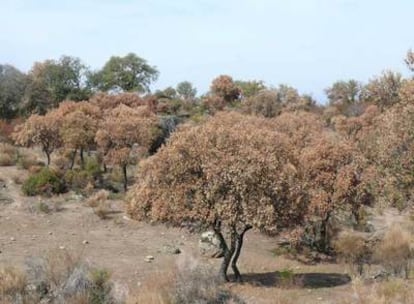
(231, 173)
(125, 135)
(41, 131)
(129, 73)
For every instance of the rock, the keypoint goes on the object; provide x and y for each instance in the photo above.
(50, 232)
(12, 239)
(149, 258)
(209, 245)
(61, 247)
(85, 242)
(171, 249)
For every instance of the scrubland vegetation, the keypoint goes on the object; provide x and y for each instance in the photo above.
(244, 156)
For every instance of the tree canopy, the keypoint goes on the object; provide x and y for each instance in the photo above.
(130, 73)
(232, 172)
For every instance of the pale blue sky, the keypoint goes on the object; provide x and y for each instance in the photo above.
(305, 43)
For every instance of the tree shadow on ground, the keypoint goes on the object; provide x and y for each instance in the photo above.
(297, 280)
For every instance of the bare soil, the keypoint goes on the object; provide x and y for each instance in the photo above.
(121, 245)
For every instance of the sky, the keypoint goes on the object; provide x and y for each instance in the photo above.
(308, 44)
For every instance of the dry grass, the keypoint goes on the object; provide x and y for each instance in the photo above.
(387, 292)
(18, 179)
(155, 290)
(8, 154)
(100, 204)
(6, 160)
(352, 248)
(12, 282)
(394, 251)
(26, 160)
(60, 277)
(187, 283)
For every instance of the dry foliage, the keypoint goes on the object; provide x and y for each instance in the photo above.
(40, 130)
(100, 204)
(125, 135)
(394, 252)
(222, 172)
(223, 86)
(354, 250)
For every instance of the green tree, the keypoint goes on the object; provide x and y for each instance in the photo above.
(250, 88)
(127, 74)
(186, 91)
(344, 92)
(52, 81)
(12, 87)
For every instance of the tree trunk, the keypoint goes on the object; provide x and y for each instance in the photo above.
(224, 266)
(239, 245)
(228, 254)
(82, 160)
(48, 158)
(325, 242)
(124, 170)
(72, 161)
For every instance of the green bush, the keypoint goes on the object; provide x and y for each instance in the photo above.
(45, 182)
(93, 167)
(101, 287)
(78, 179)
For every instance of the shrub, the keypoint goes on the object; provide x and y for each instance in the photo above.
(353, 249)
(45, 182)
(99, 203)
(386, 292)
(6, 160)
(59, 277)
(394, 252)
(12, 283)
(43, 207)
(101, 287)
(26, 161)
(8, 154)
(78, 179)
(93, 167)
(198, 285)
(18, 179)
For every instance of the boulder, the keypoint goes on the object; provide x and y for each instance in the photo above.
(210, 245)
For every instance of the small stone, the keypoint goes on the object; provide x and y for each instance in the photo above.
(85, 242)
(12, 239)
(50, 232)
(61, 247)
(149, 258)
(171, 249)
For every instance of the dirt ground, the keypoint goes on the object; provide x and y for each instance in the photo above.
(121, 245)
